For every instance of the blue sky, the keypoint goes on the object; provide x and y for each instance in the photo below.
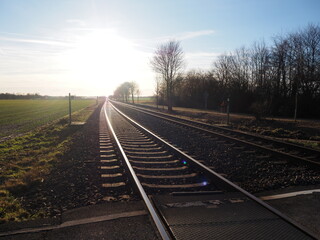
(90, 47)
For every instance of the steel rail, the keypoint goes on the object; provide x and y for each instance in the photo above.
(158, 222)
(293, 157)
(311, 150)
(219, 177)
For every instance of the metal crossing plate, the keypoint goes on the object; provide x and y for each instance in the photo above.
(223, 216)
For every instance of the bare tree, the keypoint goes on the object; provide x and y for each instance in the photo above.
(122, 92)
(260, 58)
(157, 90)
(133, 86)
(167, 61)
(282, 78)
(138, 93)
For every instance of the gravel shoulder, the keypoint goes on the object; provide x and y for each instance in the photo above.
(303, 131)
(73, 181)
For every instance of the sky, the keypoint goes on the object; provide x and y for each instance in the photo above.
(89, 47)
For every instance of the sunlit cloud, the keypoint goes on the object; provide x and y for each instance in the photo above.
(178, 37)
(35, 41)
(190, 35)
(91, 61)
(150, 44)
(201, 60)
(186, 35)
(78, 22)
(85, 60)
(203, 54)
(32, 64)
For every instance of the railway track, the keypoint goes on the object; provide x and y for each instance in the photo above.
(186, 199)
(268, 145)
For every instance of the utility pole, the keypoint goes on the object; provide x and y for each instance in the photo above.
(296, 107)
(69, 109)
(228, 111)
(157, 99)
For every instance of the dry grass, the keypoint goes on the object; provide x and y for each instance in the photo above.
(303, 131)
(27, 160)
(20, 116)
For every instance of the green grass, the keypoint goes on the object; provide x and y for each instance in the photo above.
(144, 100)
(27, 160)
(20, 116)
(307, 143)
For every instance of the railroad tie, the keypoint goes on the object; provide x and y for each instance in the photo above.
(108, 156)
(172, 186)
(155, 162)
(146, 153)
(106, 147)
(149, 157)
(139, 149)
(167, 176)
(165, 169)
(107, 151)
(105, 144)
(110, 167)
(109, 162)
(111, 175)
(113, 185)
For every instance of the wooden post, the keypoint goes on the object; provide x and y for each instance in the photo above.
(296, 107)
(157, 101)
(69, 109)
(228, 111)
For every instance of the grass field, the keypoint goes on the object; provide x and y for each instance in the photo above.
(20, 116)
(144, 100)
(25, 161)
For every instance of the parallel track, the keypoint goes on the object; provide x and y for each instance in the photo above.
(157, 167)
(289, 151)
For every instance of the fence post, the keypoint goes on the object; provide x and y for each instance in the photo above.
(69, 109)
(296, 107)
(228, 111)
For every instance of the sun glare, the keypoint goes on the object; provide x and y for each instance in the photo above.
(103, 58)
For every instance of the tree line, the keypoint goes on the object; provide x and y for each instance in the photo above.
(34, 96)
(275, 80)
(21, 96)
(125, 91)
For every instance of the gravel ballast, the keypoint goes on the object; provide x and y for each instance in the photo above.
(238, 164)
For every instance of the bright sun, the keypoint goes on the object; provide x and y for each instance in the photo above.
(103, 58)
